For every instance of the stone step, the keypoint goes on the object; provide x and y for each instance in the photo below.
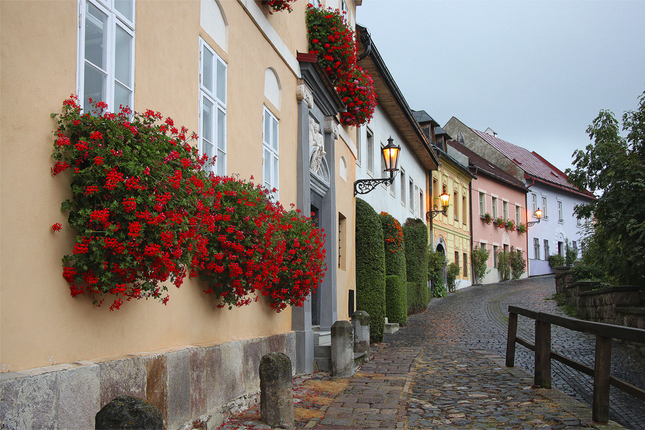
(322, 337)
(391, 328)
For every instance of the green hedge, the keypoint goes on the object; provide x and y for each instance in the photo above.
(395, 265)
(396, 303)
(370, 268)
(415, 233)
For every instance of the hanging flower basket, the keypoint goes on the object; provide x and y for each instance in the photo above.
(522, 228)
(279, 5)
(499, 222)
(510, 225)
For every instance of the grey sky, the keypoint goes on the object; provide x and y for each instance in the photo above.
(536, 72)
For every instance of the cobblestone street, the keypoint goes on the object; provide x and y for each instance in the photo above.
(476, 319)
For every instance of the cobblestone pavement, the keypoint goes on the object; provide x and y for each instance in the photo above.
(476, 319)
(445, 371)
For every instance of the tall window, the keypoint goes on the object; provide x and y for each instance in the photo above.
(358, 145)
(370, 152)
(417, 202)
(544, 211)
(494, 205)
(411, 200)
(536, 248)
(456, 205)
(518, 215)
(464, 208)
(482, 203)
(505, 209)
(465, 265)
(534, 202)
(270, 159)
(457, 258)
(546, 249)
(212, 93)
(421, 202)
(495, 250)
(106, 54)
(560, 212)
(403, 184)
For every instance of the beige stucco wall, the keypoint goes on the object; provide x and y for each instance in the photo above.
(345, 204)
(454, 233)
(40, 323)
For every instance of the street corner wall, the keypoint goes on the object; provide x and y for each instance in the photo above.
(195, 384)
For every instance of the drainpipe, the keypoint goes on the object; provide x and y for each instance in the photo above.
(470, 197)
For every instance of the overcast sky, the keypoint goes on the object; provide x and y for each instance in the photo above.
(536, 72)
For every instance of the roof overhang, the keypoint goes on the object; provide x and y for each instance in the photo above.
(392, 101)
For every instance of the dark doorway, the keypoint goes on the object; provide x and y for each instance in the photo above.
(316, 204)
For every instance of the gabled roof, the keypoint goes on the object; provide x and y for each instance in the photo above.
(535, 166)
(482, 166)
(391, 100)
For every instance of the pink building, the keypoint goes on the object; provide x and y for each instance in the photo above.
(495, 195)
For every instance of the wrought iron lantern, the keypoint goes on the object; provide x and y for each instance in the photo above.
(390, 154)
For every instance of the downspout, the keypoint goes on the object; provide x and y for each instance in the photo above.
(470, 197)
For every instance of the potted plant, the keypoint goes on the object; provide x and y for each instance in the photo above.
(510, 225)
(499, 222)
(487, 218)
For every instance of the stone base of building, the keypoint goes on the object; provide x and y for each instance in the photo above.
(192, 386)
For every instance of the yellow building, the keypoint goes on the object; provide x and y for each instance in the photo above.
(450, 230)
(228, 70)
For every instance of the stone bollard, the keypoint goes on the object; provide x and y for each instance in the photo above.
(342, 350)
(127, 412)
(276, 391)
(361, 325)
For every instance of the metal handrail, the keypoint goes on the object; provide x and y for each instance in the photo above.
(601, 372)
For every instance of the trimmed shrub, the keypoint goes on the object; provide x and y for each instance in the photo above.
(415, 233)
(453, 272)
(518, 264)
(394, 248)
(556, 261)
(395, 300)
(480, 258)
(504, 265)
(370, 268)
(436, 266)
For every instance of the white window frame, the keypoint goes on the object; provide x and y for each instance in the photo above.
(518, 214)
(493, 206)
(115, 19)
(482, 203)
(271, 148)
(370, 151)
(411, 197)
(534, 202)
(560, 212)
(403, 187)
(359, 142)
(218, 102)
(545, 213)
(505, 209)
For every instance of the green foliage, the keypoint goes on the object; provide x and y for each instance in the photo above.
(440, 289)
(480, 258)
(395, 264)
(571, 254)
(585, 272)
(436, 264)
(370, 268)
(415, 232)
(453, 272)
(504, 265)
(518, 264)
(556, 261)
(396, 302)
(613, 167)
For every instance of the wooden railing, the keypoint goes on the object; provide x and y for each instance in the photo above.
(601, 372)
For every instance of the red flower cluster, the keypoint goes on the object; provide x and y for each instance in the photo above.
(392, 232)
(279, 5)
(334, 41)
(148, 212)
(120, 176)
(245, 247)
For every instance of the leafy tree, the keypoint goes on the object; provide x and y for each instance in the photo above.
(613, 167)
(480, 257)
(504, 265)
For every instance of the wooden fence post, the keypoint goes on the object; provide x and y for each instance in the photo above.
(510, 341)
(601, 374)
(542, 354)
